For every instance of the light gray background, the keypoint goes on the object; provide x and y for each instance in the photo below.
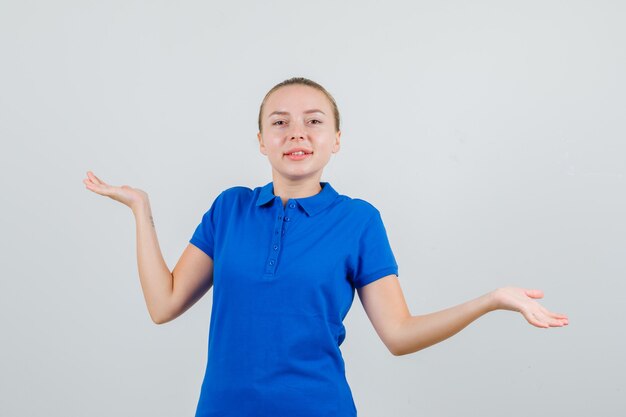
(489, 134)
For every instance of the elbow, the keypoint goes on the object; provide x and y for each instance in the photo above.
(401, 346)
(161, 312)
(404, 349)
(159, 318)
(401, 351)
(396, 340)
(396, 349)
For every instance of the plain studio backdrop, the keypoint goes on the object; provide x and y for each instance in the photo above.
(489, 134)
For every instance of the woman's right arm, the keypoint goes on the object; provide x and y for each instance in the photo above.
(167, 294)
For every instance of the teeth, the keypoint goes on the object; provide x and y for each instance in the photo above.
(298, 153)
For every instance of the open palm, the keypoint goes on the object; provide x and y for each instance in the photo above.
(523, 301)
(125, 194)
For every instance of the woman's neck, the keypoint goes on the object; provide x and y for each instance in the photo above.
(288, 190)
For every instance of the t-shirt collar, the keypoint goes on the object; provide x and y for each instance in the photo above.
(311, 205)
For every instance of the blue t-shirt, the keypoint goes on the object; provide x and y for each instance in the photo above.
(284, 278)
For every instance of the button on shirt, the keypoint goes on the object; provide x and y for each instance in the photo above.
(284, 278)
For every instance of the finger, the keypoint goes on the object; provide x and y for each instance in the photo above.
(95, 179)
(102, 189)
(552, 314)
(556, 323)
(532, 319)
(557, 316)
(550, 321)
(88, 183)
(91, 179)
(534, 293)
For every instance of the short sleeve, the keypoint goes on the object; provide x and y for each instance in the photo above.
(375, 258)
(204, 235)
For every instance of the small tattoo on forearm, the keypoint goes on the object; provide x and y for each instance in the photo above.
(152, 221)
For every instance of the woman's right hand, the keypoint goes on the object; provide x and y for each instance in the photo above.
(132, 197)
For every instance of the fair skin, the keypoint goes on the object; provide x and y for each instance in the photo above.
(288, 122)
(297, 116)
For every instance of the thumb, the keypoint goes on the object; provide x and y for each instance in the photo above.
(534, 293)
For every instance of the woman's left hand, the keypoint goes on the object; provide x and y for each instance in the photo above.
(523, 301)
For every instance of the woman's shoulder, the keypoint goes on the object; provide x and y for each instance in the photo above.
(359, 206)
(237, 190)
(235, 193)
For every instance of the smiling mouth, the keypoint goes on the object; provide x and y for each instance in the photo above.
(299, 153)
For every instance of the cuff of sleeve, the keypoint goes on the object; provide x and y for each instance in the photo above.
(203, 246)
(381, 273)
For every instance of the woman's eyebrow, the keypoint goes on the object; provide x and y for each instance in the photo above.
(305, 112)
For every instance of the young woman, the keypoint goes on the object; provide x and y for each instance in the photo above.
(284, 261)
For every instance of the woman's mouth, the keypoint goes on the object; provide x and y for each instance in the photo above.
(298, 155)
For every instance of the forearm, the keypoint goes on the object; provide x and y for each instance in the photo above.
(156, 278)
(419, 332)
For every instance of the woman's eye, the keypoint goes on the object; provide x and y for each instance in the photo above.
(282, 122)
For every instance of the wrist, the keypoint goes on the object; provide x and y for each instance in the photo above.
(141, 207)
(492, 301)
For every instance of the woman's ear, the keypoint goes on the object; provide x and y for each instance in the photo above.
(337, 144)
(261, 144)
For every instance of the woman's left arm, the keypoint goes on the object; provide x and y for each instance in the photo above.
(403, 333)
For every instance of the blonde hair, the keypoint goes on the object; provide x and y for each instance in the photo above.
(307, 82)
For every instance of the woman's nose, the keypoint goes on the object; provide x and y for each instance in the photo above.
(297, 131)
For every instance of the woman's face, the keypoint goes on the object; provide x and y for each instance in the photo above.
(298, 117)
